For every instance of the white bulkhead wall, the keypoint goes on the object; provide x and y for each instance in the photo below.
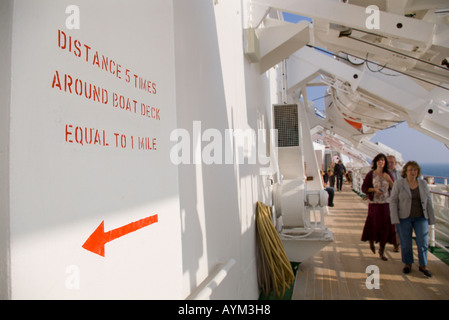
(6, 10)
(218, 86)
(65, 180)
(59, 188)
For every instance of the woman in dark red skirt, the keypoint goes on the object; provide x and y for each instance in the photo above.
(376, 185)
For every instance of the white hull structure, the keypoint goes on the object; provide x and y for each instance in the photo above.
(137, 136)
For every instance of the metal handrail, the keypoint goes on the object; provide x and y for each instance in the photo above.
(445, 179)
(440, 193)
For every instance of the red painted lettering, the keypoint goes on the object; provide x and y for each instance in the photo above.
(82, 51)
(77, 51)
(150, 112)
(119, 71)
(97, 138)
(79, 86)
(87, 52)
(86, 132)
(119, 101)
(84, 135)
(96, 94)
(128, 78)
(122, 142)
(68, 81)
(68, 133)
(62, 39)
(146, 143)
(56, 82)
(105, 63)
(96, 60)
(79, 135)
(111, 68)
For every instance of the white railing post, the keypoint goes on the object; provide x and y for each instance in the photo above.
(432, 236)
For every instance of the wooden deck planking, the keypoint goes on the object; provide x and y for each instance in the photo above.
(338, 272)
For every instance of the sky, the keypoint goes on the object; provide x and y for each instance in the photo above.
(412, 144)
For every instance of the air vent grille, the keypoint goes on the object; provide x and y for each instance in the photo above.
(286, 122)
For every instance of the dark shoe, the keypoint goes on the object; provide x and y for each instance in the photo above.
(426, 272)
(372, 247)
(407, 269)
(396, 248)
(381, 254)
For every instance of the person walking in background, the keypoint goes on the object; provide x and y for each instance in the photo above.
(392, 167)
(411, 209)
(339, 171)
(330, 173)
(395, 174)
(378, 227)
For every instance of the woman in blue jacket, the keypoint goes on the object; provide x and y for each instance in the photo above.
(411, 209)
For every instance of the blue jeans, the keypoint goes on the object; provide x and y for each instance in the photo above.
(405, 229)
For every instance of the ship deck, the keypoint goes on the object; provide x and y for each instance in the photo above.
(338, 271)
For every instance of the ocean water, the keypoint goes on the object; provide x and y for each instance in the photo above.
(436, 169)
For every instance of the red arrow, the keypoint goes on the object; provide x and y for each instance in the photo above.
(95, 243)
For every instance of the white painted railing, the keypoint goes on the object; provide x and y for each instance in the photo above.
(436, 177)
(438, 235)
(206, 288)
